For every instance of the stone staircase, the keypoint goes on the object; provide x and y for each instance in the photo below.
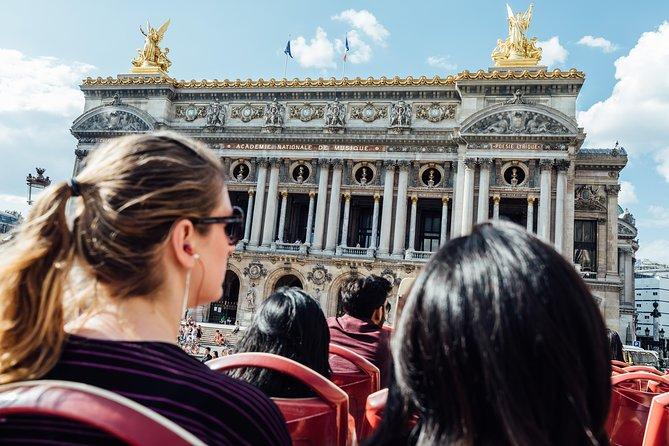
(209, 331)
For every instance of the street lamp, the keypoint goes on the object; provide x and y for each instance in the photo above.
(37, 182)
(647, 332)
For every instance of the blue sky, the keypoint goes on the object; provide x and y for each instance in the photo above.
(47, 47)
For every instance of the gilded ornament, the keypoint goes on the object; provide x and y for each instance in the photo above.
(152, 59)
(435, 112)
(517, 50)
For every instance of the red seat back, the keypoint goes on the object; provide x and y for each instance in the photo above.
(617, 363)
(630, 403)
(99, 409)
(657, 427)
(376, 403)
(358, 385)
(642, 368)
(310, 421)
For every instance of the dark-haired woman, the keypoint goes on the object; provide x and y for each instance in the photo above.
(500, 343)
(615, 345)
(289, 323)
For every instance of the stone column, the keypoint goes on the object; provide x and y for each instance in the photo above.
(387, 210)
(412, 222)
(628, 296)
(484, 190)
(458, 186)
(375, 221)
(495, 206)
(468, 197)
(601, 247)
(260, 203)
(310, 217)
(401, 212)
(443, 236)
(560, 192)
(335, 201)
(249, 213)
(282, 215)
(530, 213)
(612, 229)
(321, 203)
(344, 225)
(544, 222)
(269, 230)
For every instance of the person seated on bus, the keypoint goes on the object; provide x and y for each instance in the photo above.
(361, 327)
(500, 343)
(98, 299)
(615, 345)
(289, 323)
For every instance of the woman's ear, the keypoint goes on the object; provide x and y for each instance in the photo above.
(181, 243)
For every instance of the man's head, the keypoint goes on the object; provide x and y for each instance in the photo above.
(207, 350)
(365, 297)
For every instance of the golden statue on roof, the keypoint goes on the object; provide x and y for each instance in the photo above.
(152, 59)
(517, 50)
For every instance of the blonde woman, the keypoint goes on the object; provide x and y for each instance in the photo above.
(98, 300)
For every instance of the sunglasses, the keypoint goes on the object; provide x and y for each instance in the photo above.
(234, 224)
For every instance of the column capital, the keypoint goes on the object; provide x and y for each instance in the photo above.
(445, 199)
(251, 191)
(612, 189)
(470, 163)
(347, 196)
(485, 162)
(322, 162)
(389, 164)
(284, 193)
(496, 198)
(275, 161)
(377, 197)
(546, 164)
(263, 162)
(337, 163)
(531, 199)
(562, 165)
(312, 194)
(414, 199)
(403, 164)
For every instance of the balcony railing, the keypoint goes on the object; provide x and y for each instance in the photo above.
(417, 255)
(355, 251)
(291, 247)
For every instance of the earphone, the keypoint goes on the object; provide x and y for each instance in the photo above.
(189, 250)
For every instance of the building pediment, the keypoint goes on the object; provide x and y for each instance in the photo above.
(115, 117)
(519, 119)
(625, 230)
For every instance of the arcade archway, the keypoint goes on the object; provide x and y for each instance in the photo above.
(289, 280)
(224, 310)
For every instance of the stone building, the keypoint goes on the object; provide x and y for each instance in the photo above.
(369, 176)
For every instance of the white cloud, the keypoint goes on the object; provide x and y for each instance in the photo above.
(366, 22)
(627, 195)
(656, 217)
(318, 53)
(598, 42)
(656, 250)
(359, 50)
(552, 52)
(637, 110)
(9, 202)
(40, 84)
(443, 62)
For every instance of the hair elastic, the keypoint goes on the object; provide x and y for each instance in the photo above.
(74, 185)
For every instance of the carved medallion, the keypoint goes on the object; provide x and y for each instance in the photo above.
(191, 112)
(319, 275)
(307, 112)
(255, 270)
(435, 112)
(247, 112)
(590, 198)
(368, 112)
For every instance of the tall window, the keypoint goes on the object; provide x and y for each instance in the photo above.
(430, 230)
(361, 235)
(585, 244)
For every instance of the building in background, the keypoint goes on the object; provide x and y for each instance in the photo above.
(9, 220)
(652, 304)
(342, 177)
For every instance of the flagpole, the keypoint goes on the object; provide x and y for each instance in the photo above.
(285, 64)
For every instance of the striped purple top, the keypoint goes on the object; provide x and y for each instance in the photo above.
(214, 407)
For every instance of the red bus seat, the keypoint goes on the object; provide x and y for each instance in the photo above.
(631, 397)
(657, 427)
(621, 364)
(376, 403)
(642, 368)
(310, 421)
(616, 369)
(357, 385)
(101, 410)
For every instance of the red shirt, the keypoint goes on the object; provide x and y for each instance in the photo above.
(363, 337)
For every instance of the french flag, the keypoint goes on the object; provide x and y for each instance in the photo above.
(346, 49)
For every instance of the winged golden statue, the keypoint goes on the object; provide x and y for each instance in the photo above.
(152, 59)
(517, 50)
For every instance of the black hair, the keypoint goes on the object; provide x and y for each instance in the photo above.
(500, 342)
(615, 345)
(289, 323)
(361, 296)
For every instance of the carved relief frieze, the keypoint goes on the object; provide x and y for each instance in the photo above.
(369, 112)
(518, 122)
(590, 198)
(435, 112)
(306, 112)
(191, 112)
(247, 112)
(116, 120)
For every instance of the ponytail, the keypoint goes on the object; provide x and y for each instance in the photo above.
(34, 268)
